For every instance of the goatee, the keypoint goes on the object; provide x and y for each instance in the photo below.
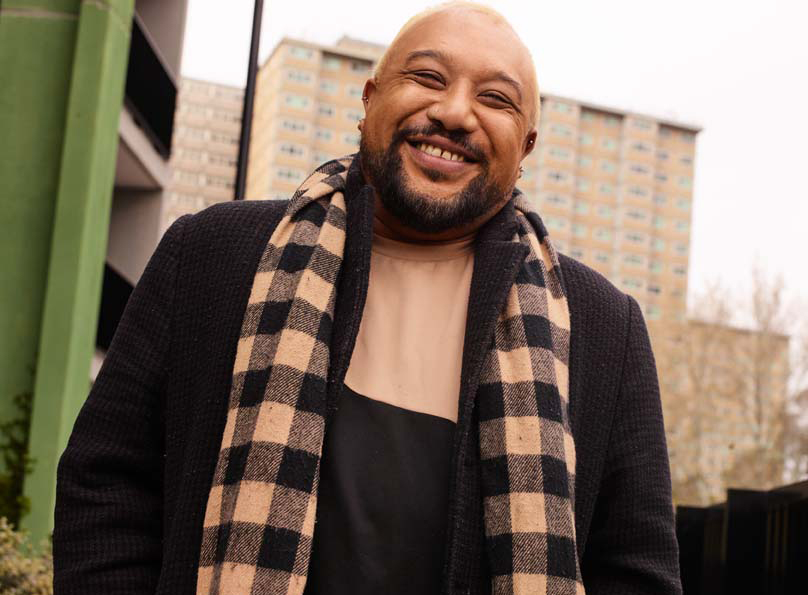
(419, 211)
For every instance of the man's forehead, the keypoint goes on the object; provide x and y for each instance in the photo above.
(447, 33)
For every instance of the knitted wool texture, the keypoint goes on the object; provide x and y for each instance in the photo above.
(260, 516)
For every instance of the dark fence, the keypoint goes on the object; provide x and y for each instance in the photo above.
(755, 542)
(151, 92)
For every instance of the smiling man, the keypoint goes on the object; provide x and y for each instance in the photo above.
(391, 383)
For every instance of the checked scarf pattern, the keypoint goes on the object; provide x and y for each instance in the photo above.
(260, 517)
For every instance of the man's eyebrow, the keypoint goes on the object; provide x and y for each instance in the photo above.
(441, 57)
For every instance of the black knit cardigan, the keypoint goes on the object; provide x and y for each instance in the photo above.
(134, 480)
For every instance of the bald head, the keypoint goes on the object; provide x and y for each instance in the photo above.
(457, 8)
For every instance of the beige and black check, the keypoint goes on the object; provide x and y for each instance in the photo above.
(259, 520)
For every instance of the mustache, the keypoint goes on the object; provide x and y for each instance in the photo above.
(458, 137)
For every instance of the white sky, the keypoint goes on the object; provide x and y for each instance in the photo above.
(738, 68)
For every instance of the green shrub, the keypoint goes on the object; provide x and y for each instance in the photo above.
(24, 569)
(15, 463)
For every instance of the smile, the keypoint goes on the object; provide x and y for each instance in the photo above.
(438, 152)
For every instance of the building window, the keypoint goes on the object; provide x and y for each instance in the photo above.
(351, 138)
(291, 149)
(658, 245)
(656, 267)
(328, 86)
(582, 184)
(642, 124)
(635, 237)
(687, 137)
(320, 157)
(609, 144)
(608, 166)
(293, 125)
(605, 211)
(557, 176)
(354, 91)
(637, 214)
(297, 101)
(686, 160)
(660, 199)
(353, 115)
(602, 257)
(584, 161)
(682, 226)
(637, 168)
(634, 260)
(301, 53)
(299, 76)
(557, 199)
(579, 230)
(662, 155)
(585, 139)
(587, 116)
(581, 207)
(606, 189)
(655, 289)
(561, 130)
(289, 174)
(611, 121)
(323, 134)
(577, 253)
(684, 182)
(683, 204)
(664, 131)
(331, 63)
(641, 147)
(360, 67)
(556, 223)
(638, 191)
(659, 222)
(223, 138)
(632, 283)
(660, 177)
(653, 312)
(221, 182)
(679, 269)
(603, 234)
(224, 160)
(680, 248)
(560, 153)
(326, 110)
(561, 107)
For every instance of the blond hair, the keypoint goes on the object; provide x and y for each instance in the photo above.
(496, 16)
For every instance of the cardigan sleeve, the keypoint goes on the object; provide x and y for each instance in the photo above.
(632, 547)
(108, 518)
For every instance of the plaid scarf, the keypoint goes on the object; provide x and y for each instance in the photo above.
(260, 515)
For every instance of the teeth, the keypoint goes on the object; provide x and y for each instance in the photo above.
(437, 152)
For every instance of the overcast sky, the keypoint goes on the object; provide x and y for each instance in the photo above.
(736, 68)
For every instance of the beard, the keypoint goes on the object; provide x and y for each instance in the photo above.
(419, 211)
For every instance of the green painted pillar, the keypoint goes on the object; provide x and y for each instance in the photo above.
(66, 63)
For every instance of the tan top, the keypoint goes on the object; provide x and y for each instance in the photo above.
(410, 345)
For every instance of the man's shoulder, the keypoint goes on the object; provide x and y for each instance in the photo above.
(592, 297)
(235, 224)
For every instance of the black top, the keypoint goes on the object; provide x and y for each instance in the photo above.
(382, 501)
(135, 477)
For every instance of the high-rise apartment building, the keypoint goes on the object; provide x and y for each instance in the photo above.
(308, 102)
(614, 188)
(207, 128)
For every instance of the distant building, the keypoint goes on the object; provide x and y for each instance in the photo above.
(614, 188)
(308, 102)
(724, 395)
(207, 127)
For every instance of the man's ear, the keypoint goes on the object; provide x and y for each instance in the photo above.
(530, 143)
(368, 91)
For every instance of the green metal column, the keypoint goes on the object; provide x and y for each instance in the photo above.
(65, 62)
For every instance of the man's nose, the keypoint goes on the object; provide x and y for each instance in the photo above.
(455, 109)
